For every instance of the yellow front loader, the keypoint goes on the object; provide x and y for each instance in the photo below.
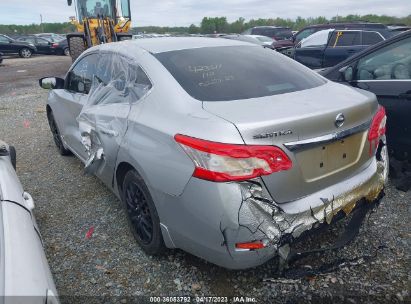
(97, 22)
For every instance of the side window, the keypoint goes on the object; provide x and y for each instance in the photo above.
(121, 74)
(4, 39)
(30, 40)
(390, 62)
(42, 41)
(284, 34)
(247, 32)
(370, 38)
(143, 83)
(345, 38)
(257, 31)
(80, 78)
(304, 34)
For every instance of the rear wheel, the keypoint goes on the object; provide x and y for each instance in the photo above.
(76, 47)
(56, 135)
(25, 53)
(142, 214)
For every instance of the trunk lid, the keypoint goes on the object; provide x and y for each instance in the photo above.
(306, 117)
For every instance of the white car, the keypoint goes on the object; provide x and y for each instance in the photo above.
(25, 276)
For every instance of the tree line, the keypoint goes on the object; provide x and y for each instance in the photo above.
(211, 25)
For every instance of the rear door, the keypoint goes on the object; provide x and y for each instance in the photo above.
(5, 45)
(342, 45)
(43, 46)
(387, 73)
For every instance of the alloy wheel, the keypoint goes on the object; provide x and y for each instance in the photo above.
(26, 53)
(139, 212)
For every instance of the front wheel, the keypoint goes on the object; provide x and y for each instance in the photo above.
(142, 214)
(66, 52)
(25, 53)
(56, 135)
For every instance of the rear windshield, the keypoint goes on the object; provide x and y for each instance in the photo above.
(236, 72)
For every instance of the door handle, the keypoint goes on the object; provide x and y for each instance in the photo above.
(405, 96)
(108, 132)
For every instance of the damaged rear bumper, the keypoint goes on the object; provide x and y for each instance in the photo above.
(215, 217)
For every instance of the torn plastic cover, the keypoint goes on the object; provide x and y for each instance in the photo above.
(267, 221)
(117, 83)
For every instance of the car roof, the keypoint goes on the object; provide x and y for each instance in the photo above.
(335, 24)
(167, 44)
(272, 26)
(256, 36)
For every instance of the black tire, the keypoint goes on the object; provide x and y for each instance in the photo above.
(56, 135)
(66, 52)
(76, 47)
(25, 53)
(142, 214)
(13, 156)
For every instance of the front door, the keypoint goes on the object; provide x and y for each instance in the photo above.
(387, 73)
(5, 45)
(43, 46)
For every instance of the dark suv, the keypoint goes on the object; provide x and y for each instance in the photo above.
(11, 46)
(309, 30)
(327, 48)
(281, 35)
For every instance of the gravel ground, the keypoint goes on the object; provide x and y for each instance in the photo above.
(108, 262)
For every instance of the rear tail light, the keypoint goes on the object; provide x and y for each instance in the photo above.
(54, 45)
(250, 246)
(220, 162)
(377, 128)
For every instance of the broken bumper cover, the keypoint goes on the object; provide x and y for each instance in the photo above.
(216, 220)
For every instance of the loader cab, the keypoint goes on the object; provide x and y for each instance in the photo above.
(117, 10)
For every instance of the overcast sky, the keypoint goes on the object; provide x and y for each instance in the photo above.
(185, 12)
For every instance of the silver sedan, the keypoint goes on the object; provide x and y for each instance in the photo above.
(221, 148)
(24, 273)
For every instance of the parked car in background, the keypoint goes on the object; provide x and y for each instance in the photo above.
(398, 29)
(254, 39)
(45, 46)
(219, 147)
(51, 36)
(327, 48)
(11, 46)
(281, 35)
(1, 57)
(25, 274)
(309, 30)
(385, 70)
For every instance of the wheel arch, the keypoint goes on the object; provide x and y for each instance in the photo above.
(121, 172)
(122, 169)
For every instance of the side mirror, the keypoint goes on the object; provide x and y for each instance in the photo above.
(347, 73)
(51, 83)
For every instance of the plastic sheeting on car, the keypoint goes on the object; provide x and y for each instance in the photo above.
(117, 82)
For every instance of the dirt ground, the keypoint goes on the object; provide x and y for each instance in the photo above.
(92, 253)
(17, 73)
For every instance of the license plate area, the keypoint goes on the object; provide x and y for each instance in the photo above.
(325, 160)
